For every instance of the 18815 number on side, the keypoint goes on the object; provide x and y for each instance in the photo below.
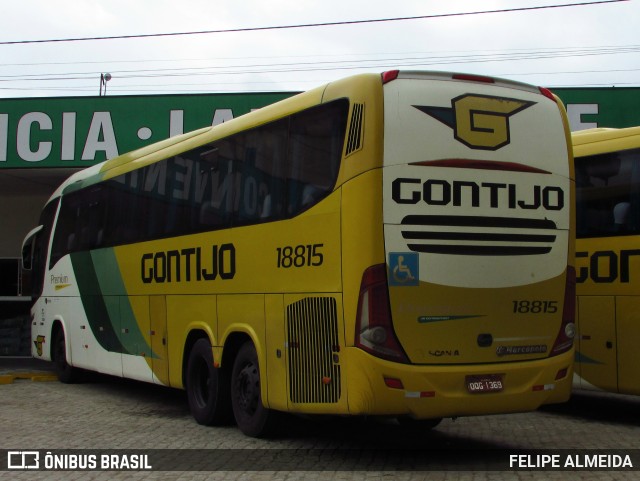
(303, 255)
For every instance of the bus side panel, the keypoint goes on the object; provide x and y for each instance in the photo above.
(135, 326)
(82, 297)
(276, 363)
(159, 339)
(607, 318)
(628, 333)
(595, 366)
(245, 313)
(60, 302)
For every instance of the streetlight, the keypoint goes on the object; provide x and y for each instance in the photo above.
(104, 78)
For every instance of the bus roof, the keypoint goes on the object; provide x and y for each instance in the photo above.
(603, 140)
(155, 152)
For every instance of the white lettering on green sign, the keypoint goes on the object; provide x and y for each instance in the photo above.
(37, 137)
(575, 113)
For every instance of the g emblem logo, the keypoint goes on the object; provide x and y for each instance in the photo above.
(479, 121)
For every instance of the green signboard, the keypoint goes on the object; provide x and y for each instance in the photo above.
(615, 107)
(81, 131)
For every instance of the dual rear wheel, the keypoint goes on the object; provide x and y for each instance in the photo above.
(207, 387)
(217, 396)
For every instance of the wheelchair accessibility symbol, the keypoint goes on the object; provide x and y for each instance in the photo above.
(403, 269)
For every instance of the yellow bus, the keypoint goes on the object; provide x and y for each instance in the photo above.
(396, 244)
(607, 166)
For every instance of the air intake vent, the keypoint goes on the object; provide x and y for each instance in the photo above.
(312, 339)
(354, 140)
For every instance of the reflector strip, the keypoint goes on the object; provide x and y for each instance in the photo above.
(419, 394)
(544, 387)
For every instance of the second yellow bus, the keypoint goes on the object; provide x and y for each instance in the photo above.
(608, 259)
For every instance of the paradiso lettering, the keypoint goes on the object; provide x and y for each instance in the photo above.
(443, 192)
(190, 264)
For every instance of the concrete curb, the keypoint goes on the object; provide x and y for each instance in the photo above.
(9, 378)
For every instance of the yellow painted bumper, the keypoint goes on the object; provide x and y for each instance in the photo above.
(436, 391)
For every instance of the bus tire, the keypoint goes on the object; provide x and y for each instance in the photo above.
(207, 387)
(252, 417)
(66, 373)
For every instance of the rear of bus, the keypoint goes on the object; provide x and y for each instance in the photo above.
(472, 309)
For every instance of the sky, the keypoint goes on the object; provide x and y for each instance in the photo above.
(580, 44)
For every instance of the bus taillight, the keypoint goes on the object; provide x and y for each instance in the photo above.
(564, 340)
(374, 329)
(547, 93)
(473, 78)
(389, 75)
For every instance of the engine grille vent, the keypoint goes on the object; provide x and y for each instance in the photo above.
(312, 340)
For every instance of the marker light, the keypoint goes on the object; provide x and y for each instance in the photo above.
(389, 75)
(564, 340)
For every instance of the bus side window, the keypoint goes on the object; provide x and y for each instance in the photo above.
(41, 248)
(608, 194)
(316, 139)
(64, 237)
(262, 174)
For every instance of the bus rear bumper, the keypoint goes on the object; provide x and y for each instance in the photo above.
(379, 387)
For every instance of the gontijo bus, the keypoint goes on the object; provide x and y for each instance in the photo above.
(607, 166)
(396, 244)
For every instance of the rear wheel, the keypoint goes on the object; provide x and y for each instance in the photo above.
(207, 387)
(66, 373)
(252, 417)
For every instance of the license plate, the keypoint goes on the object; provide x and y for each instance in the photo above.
(484, 383)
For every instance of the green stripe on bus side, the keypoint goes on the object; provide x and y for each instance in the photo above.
(110, 280)
(111, 317)
(93, 302)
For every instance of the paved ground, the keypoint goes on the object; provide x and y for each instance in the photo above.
(113, 414)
